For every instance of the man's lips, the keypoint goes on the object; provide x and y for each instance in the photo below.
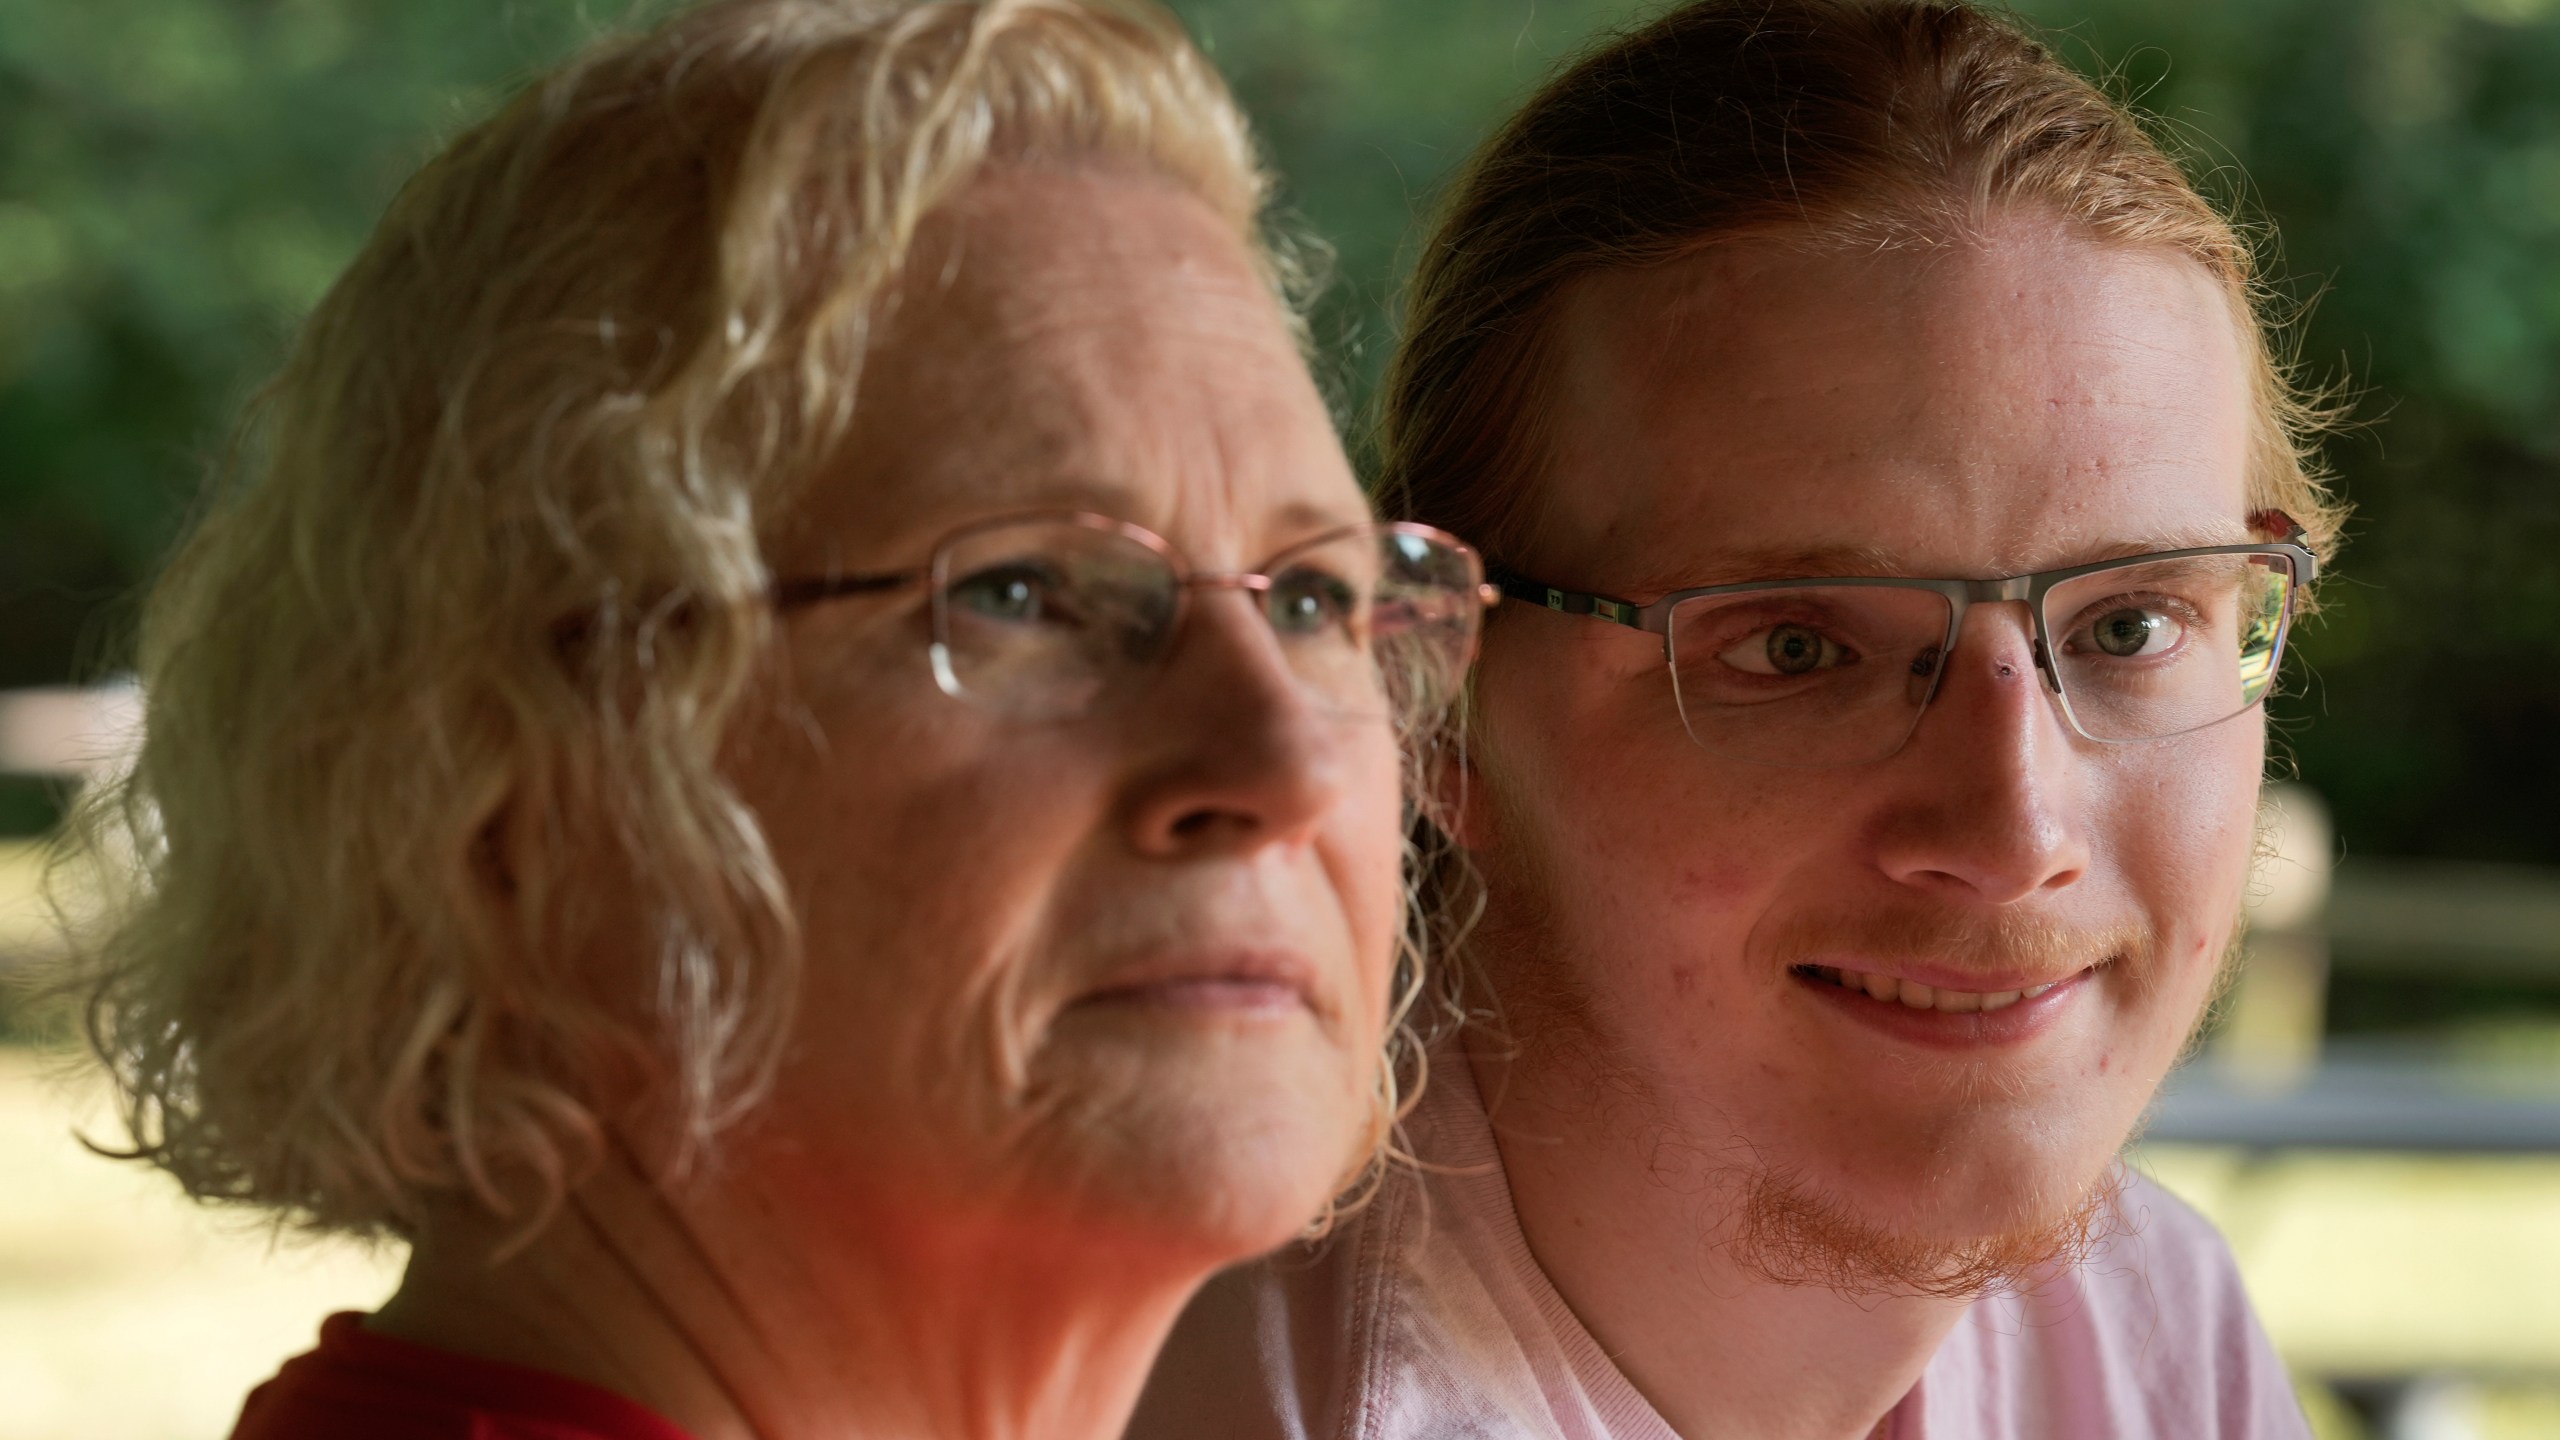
(1979, 997)
(1994, 1010)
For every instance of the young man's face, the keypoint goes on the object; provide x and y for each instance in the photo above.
(2033, 401)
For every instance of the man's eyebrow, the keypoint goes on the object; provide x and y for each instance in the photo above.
(2187, 537)
(1740, 567)
(1736, 567)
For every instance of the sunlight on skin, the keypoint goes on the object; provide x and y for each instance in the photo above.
(2028, 401)
(1016, 1123)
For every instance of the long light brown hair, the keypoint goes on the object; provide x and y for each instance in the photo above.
(1858, 124)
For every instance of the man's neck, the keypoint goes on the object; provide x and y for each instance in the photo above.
(736, 1324)
(1716, 1348)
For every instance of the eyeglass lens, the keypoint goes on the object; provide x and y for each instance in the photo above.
(1838, 675)
(2149, 651)
(1048, 619)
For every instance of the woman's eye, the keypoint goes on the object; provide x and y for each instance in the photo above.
(1305, 602)
(2131, 631)
(1014, 594)
(1787, 650)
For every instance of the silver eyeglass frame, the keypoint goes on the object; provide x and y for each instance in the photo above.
(934, 577)
(1654, 617)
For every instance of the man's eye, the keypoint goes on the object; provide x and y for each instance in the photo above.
(1016, 594)
(1307, 602)
(2131, 631)
(1787, 650)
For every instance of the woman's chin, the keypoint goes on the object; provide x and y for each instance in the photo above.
(1236, 1141)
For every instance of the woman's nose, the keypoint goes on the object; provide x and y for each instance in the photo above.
(1234, 751)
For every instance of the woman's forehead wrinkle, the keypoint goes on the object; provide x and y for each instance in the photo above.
(1146, 361)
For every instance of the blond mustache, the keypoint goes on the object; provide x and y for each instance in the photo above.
(1994, 945)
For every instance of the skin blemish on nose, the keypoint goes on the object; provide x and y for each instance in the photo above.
(1684, 981)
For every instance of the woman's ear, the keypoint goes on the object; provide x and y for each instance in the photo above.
(497, 851)
(1451, 780)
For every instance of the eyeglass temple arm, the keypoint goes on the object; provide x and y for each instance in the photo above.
(2289, 531)
(1570, 602)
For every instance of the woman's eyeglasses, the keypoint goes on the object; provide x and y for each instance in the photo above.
(1830, 672)
(1045, 617)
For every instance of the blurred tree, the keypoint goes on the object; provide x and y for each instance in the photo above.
(1367, 108)
(179, 178)
(2408, 152)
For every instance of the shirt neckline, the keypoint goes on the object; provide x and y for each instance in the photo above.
(448, 1377)
(1456, 1134)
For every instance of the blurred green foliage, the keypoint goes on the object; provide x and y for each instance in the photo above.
(179, 178)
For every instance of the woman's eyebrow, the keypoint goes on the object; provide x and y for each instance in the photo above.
(963, 492)
(1313, 517)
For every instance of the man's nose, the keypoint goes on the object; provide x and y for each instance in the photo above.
(1986, 800)
(1234, 753)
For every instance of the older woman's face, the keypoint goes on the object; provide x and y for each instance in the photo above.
(1131, 966)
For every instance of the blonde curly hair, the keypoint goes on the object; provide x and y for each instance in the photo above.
(440, 679)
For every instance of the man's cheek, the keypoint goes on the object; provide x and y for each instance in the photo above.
(2170, 1008)
(1710, 843)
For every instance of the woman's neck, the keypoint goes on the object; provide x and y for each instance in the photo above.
(738, 1316)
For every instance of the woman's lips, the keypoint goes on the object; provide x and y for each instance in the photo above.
(1259, 982)
(1208, 993)
(1944, 1015)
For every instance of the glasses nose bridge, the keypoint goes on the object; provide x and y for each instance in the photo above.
(1250, 584)
(1253, 586)
(1993, 592)
(2018, 589)
(1227, 580)
(2015, 589)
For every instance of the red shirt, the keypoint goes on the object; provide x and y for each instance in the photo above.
(359, 1384)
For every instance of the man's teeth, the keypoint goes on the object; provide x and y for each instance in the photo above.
(1923, 997)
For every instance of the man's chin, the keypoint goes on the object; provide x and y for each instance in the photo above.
(1786, 1231)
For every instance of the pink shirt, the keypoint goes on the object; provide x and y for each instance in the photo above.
(1426, 1318)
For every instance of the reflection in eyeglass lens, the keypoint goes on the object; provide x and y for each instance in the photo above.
(2152, 650)
(1813, 675)
(1822, 675)
(1049, 618)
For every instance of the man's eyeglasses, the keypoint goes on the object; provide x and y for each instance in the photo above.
(1044, 617)
(1836, 671)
